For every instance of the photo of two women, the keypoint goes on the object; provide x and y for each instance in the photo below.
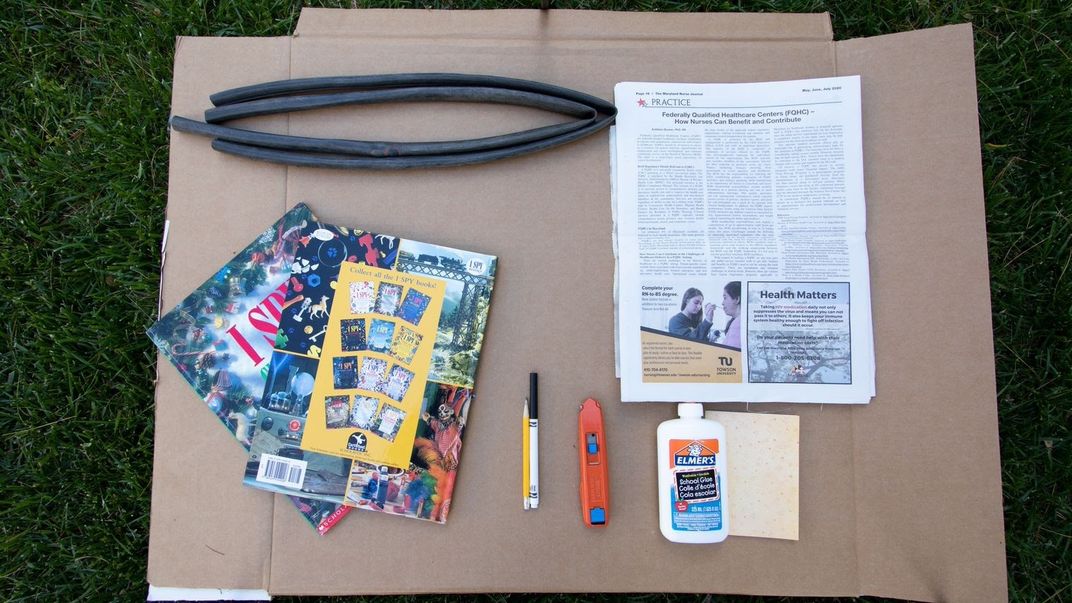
(696, 320)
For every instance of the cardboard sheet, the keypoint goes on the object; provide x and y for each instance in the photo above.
(900, 498)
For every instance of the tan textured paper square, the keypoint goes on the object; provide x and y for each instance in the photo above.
(763, 454)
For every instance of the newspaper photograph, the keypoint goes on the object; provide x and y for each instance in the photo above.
(742, 271)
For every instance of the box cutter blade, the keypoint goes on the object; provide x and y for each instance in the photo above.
(595, 475)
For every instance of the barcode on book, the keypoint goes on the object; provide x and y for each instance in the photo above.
(281, 471)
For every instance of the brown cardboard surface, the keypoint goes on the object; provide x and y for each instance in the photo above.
(926, 450)
(206, 528)
(561, 24)
(870, 520)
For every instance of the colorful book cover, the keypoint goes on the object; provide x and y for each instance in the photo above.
(220, 337)
(388, 422)
(344, 372)
(381, 334)
(398, 382)
(387, 298)
(353, 335)
(406, 344)
(362, 297)
(337, 411)
(413, 307)
(427, 425)
(373, 374)
(364, 409)
(276, 461)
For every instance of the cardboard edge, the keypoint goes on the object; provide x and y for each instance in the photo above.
(960, 37)
(563, 25)
(168, 593)
(183, 44)
(149, 562)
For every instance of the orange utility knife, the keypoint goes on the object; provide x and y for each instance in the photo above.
(595, 476)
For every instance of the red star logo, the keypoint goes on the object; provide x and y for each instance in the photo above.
(641, 102)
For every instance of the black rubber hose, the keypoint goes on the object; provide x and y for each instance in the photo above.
(592, 113)
(286, 104)
(400, 163)
(339, 146)
(398, 80)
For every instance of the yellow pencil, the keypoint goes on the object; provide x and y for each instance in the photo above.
(525, 454)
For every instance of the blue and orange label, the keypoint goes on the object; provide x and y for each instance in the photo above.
(696, 490)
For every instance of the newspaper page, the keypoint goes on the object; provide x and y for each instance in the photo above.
(740, 234)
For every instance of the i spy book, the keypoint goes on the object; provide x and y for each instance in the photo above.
(371, 379)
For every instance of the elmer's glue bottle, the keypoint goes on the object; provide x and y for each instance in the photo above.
(692, 477)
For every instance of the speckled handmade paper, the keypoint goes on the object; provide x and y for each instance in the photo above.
(763, 465)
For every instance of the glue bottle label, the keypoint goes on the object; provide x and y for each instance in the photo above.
(696, 488)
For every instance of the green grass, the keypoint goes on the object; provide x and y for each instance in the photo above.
(84, 95)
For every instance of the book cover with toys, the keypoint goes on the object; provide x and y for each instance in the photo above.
(373, 370)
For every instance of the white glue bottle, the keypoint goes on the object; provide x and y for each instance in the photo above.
(692, 477)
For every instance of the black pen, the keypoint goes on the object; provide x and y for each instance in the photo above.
(534, 444)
